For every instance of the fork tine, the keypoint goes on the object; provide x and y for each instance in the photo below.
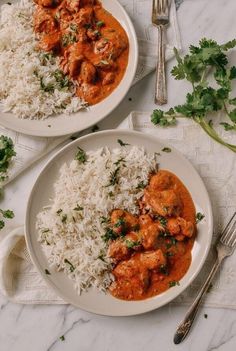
(229, 231)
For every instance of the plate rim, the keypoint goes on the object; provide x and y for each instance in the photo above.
(129, 73)
(179, 289)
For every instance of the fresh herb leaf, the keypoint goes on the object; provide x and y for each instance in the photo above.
(81, 155)
(7, 152)
(228, 126)
(64, 218)
(68, 39)
(122, 143)
(100, 23)
(104, 220)
(73, 27)
(141, 185)
(48, 88)
(2, 224)
(114, 177)
(131, 244)
(164, 269)
(164, 120)
(72, 268)
(119, 161)
(109, 235)
(166, 149)
(173, 283)
(161, 219)
(208, 57)
(59, 211)
(7, 213)
(199, 217)
(62, 338)
(78, 208)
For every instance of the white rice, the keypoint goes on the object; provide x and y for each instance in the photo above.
(22, 67)
(79, 238)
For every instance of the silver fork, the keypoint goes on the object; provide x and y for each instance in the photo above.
(160, 19)
(225, 247)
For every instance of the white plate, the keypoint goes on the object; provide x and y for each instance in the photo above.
(68, 124)
(101, 303)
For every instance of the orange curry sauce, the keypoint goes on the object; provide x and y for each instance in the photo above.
(152, 251)
(92, 45)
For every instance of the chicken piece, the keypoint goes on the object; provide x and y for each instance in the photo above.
(113, 44)
(165, 203)
(118, 250)
(133, 288)
(72, 60)
(130, 220)
(145, 220)
(109, 78)
(44, 22)
(84, 16)
(87, 73)
(180, 228)
(152, 259)
(149, 235)
(48, 3)
(73, 5)
(128, 268)
(88, 92)
(160, 181)
(50, 42)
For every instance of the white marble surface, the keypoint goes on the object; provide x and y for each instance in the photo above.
(38, 328)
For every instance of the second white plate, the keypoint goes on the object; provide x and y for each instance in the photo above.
(68, 124)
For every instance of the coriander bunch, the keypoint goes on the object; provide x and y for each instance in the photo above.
(203, 60)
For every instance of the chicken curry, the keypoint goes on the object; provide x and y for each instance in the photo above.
(91, 44)
(152, 252)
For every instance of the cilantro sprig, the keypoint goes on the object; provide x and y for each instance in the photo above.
(207, 58)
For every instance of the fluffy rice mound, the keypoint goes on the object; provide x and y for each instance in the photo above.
(72, 225)
(31, 84)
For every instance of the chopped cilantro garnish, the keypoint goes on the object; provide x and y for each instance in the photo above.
(114, 177)
(109, 235)
(68, 38)
(64, 218)
(72, 268)
(7, 213)
(163, 269)
(100, 23)
(81, 155)
(173, 283)
(141, 185)
(104, 220)
(78, 208)
(122, 143)
(62, 338)
(131, 244)
(199, 217)
(166, 149)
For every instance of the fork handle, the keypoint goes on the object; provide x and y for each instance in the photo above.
(160, 92)
(185, 326)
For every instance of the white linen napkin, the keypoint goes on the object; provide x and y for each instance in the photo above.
(30, 149)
